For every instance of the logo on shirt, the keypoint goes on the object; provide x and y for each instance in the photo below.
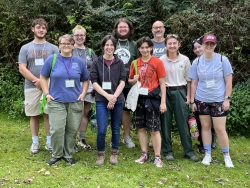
(74, 65)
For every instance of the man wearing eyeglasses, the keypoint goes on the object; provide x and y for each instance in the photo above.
(126, 50)
(158, 30)
(31, 60)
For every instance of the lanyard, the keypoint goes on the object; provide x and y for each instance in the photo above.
(35, 49)
(67, 68)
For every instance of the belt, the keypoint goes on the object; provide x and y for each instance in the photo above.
(175, 87)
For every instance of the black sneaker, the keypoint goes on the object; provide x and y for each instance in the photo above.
(70, 161)
(76, 149)
(53, 161)
(84, 144)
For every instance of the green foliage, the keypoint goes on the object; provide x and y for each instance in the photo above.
(229, 19)
(11, 92)
(239, 116)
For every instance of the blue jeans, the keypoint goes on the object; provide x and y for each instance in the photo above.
(102, 114)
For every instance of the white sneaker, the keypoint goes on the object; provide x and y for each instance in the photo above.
(228, 162)
(48, 147)
(128, 142)
(34, 148)
(207, 159)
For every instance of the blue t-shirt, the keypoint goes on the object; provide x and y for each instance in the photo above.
(210, 75)
(159, 48)
(77, 71)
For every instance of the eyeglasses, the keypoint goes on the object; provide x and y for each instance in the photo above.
(172, 36)
(65, 44)
(159, 27)
(79, 36)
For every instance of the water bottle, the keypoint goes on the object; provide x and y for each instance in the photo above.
(193, 127)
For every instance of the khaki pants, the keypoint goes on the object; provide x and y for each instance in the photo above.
(64, 119)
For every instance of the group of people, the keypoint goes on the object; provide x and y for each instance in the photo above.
(72, 77)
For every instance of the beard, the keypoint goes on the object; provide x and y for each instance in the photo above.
(39, 36)
(126, 36)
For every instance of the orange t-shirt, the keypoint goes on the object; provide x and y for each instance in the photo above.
(149, 73)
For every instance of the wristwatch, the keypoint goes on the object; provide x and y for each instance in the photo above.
(227, 97)
(46, 95)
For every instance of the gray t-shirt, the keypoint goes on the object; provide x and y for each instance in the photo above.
(159, 48)
(34, 55)
(210, 75)
(88, 58)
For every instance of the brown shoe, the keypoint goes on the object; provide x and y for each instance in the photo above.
(113, 157)
(100, 157)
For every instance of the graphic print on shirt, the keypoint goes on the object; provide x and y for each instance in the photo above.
(146, 75)
(123, 54)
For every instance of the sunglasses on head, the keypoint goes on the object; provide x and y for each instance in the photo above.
(196, 40)
(172, 36)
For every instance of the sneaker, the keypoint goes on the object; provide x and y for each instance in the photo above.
(70, 161)
(142, 159)
(207, 159)
(169, 158)
(53, 161)
(228, 162)
(34, 148)
(48, 147)
(128, 142)
(84, 144)
(158, 162)
(76, 149)
(194, 158)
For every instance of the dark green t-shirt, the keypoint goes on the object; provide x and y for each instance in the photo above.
(127, 52)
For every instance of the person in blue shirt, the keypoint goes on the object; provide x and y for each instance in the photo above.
(65, 97)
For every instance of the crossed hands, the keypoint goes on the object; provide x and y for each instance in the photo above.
(112, 100)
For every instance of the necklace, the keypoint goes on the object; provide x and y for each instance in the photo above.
(79, 52)
(126, 46)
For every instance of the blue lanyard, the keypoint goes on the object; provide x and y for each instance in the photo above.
(67, 68)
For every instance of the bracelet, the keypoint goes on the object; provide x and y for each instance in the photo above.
(191, 102)
(46, 95)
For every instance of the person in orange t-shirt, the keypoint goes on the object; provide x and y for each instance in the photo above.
(152, 99)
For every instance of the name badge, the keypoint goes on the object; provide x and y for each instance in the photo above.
(143, 91)
(39, 62)
(70, 83)
(210, 83)
(106, 85)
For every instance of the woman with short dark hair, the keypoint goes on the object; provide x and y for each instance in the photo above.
(108, 78)
(152, 99)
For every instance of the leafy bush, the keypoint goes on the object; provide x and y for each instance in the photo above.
(238, 120)
(11, 92)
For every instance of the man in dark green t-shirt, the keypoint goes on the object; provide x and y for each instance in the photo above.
(127, 51)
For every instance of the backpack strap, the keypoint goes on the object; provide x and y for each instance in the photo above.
(53, 63)
(136, 68)
(90, 51)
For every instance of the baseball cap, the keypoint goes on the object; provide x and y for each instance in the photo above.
(209, 38)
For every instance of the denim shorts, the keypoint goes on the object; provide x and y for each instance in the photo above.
(145, 119)
(214, 109)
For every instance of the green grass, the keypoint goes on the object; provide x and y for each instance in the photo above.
(18, 168)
